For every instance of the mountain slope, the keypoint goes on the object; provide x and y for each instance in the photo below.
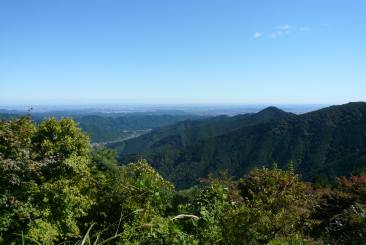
(186, 133)
(327, 142)
(104, 127)
(108, 128)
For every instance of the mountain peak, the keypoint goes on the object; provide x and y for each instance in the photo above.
(271, 109)
(272, 112)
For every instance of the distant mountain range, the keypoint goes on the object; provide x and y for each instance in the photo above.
(321, 144)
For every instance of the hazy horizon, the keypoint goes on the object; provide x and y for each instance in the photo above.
(172, 109)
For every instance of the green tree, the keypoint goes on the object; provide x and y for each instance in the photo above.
(129, 198)
(45, 181)
(341, 212)
(275, 204)
(206, 208)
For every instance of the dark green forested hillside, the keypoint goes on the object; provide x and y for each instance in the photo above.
(111, 127)
(186, 133)
(107, 128)
(324, 143)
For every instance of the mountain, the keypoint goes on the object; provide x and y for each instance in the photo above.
(104, 127)
(324, 143)
(186, 133)
(108, 128)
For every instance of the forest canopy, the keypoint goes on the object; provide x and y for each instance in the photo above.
(55, 188)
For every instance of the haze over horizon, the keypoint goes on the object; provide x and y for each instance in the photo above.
(182, 52)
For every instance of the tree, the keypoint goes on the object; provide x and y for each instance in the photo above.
(274, 205)
(341, 212)
(129, 199)
(45, 181)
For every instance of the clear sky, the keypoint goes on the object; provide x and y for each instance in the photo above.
(182, 51)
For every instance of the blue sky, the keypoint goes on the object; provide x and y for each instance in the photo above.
(191, 51)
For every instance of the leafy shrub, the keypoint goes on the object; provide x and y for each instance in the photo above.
(274, 205)
(45, 179)
(341, 214)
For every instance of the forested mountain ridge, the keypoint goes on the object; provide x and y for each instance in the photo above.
(186, 133)
(105, 127)
(325, 143)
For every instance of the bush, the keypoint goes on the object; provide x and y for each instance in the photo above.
(45, 179)
(341, 213)
(275, 204)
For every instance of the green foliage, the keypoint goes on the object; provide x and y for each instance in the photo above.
(274, 204)
(127, 196)
(45, 179)
(341, 213)
(296, 240)
(154, 229)
(55, 188)
(209, 205)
